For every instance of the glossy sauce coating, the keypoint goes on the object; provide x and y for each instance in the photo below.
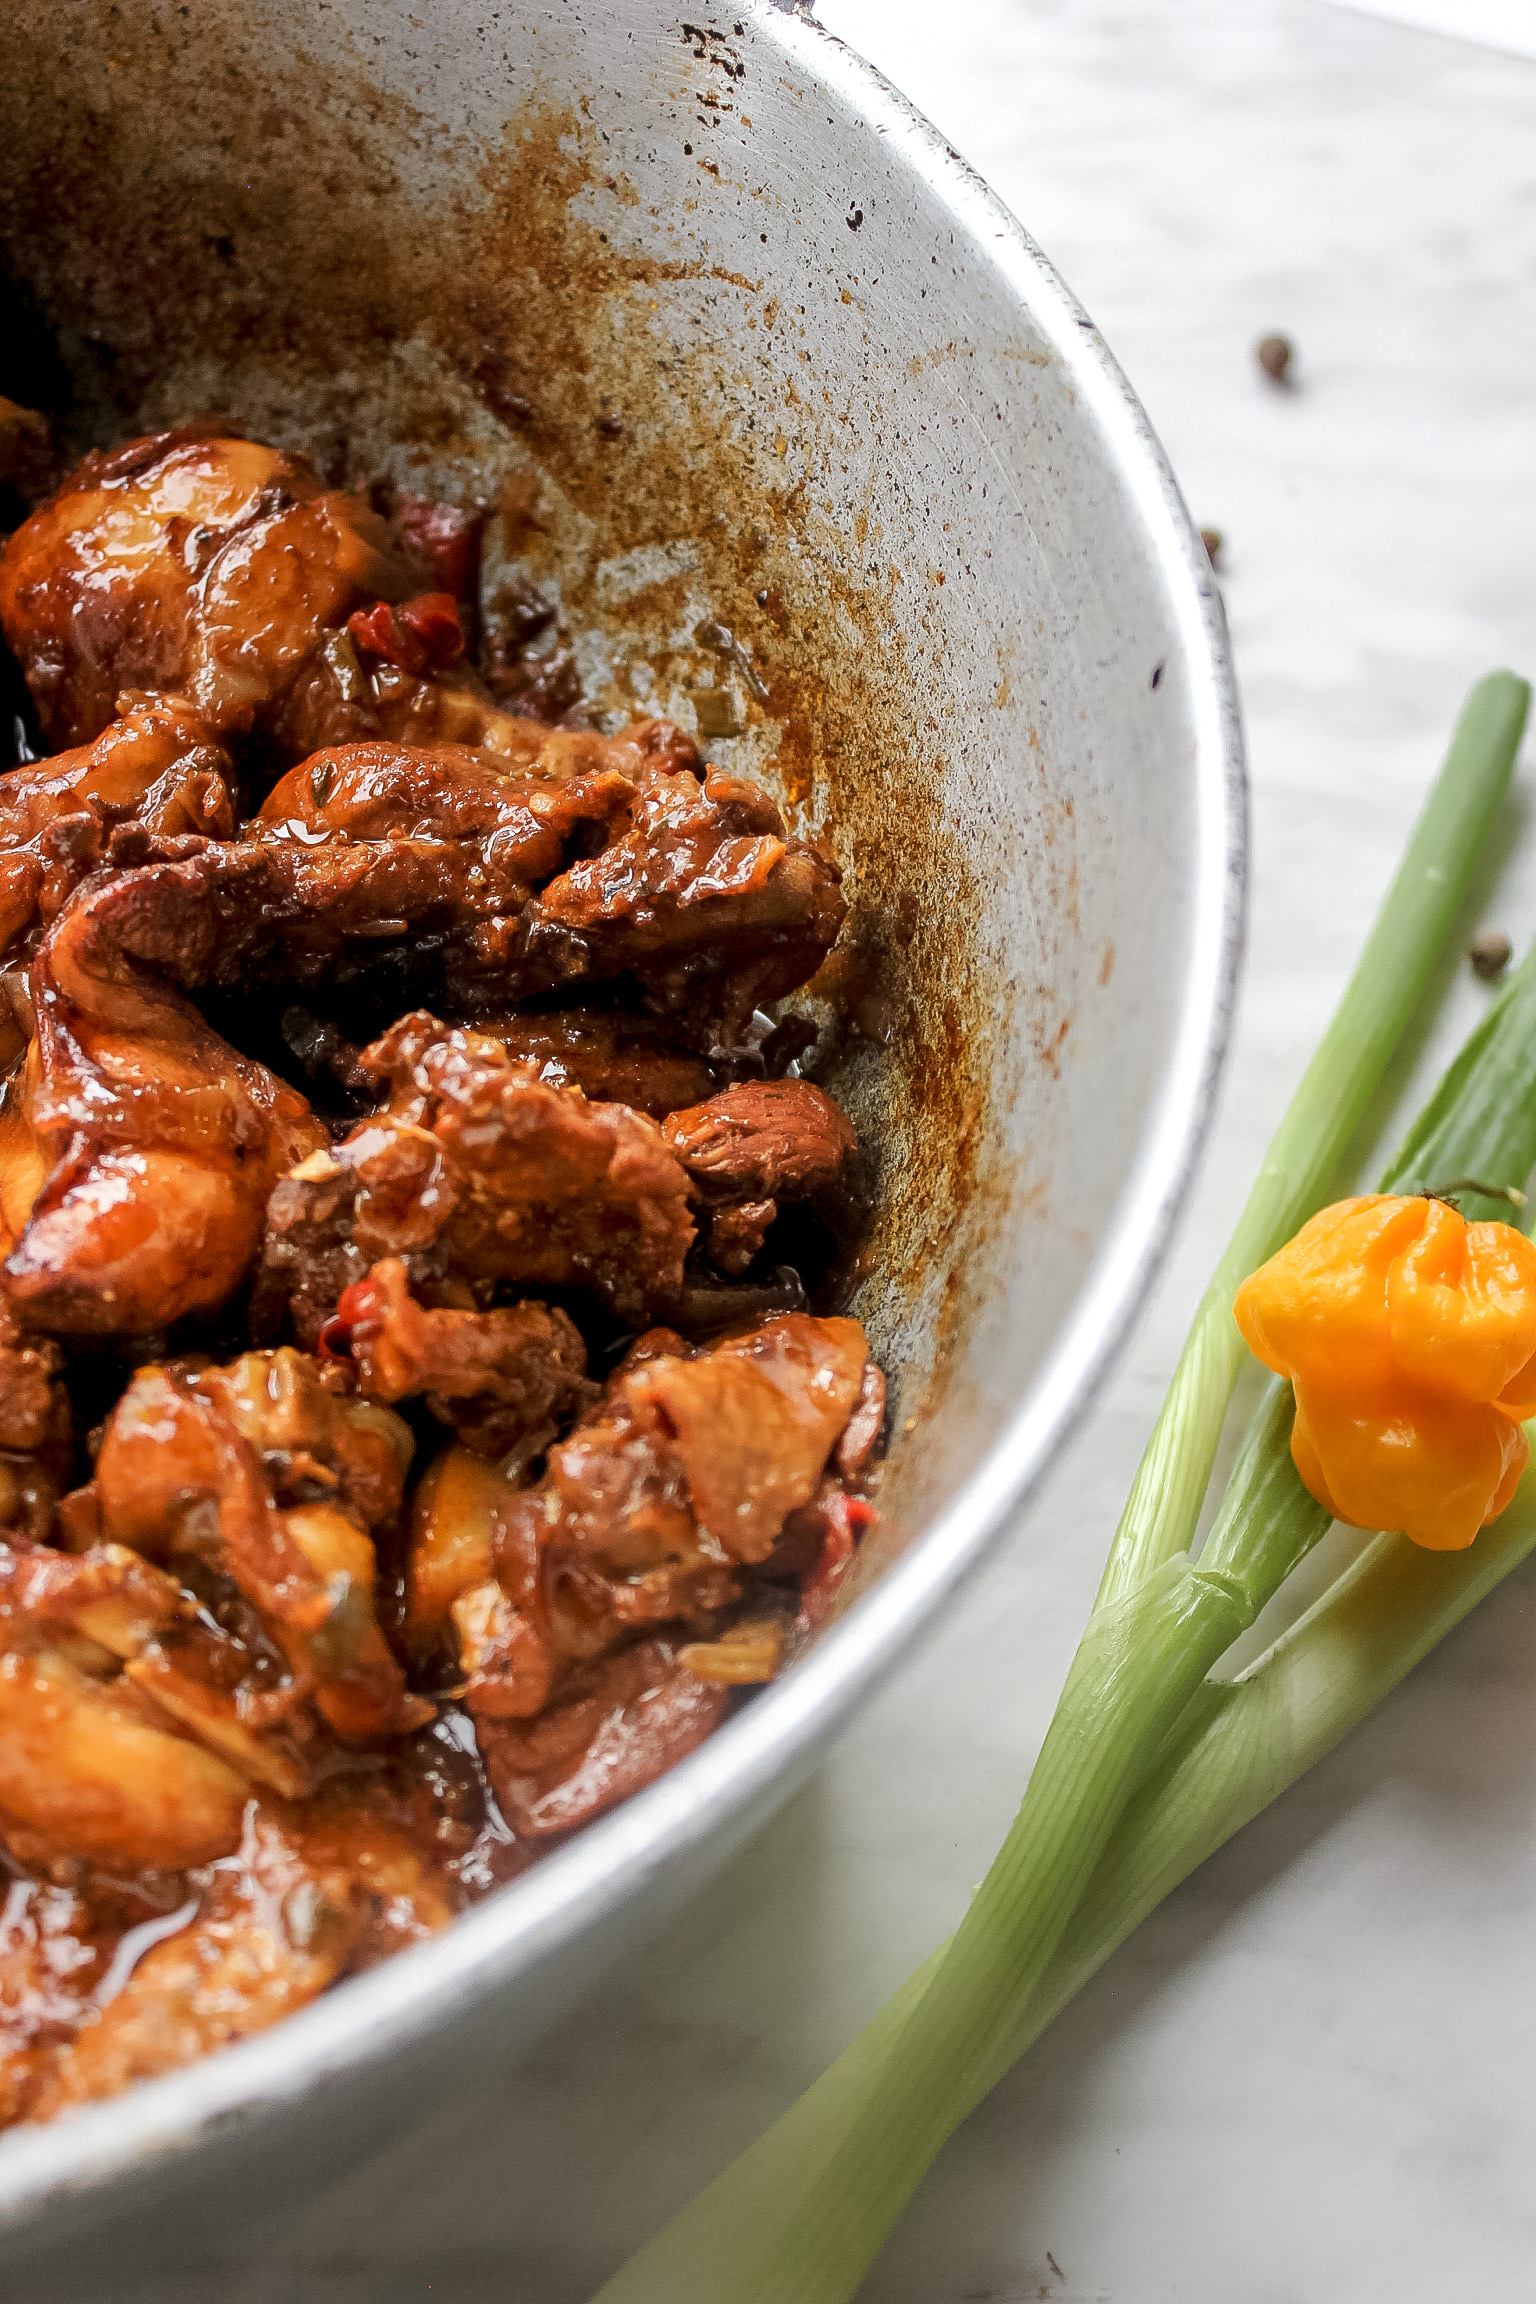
(411, 1439)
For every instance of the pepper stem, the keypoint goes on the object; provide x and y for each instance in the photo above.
(1473, 1188)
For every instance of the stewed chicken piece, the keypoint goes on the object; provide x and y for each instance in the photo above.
(139, 1147)
(637, 863)
(92, 1769)
(36, 1428)
(227, 572)
(507, 1380)
(318, 1890)
(753, 1145)
(308, 1892)
(156, 766)
(478, 1171)
(272, 1474)
(363, 1530)
(583, 1616)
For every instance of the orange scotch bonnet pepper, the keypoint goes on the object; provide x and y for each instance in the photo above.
(1410, 1338)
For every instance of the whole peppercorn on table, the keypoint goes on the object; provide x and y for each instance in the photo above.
(1309, 2077)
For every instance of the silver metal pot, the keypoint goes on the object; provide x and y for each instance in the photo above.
(732, 340)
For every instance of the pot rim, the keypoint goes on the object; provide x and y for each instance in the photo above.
(160, 2123)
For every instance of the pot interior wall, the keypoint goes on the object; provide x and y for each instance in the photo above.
(715, 361)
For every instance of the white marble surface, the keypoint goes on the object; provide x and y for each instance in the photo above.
(1507, 24)
(1310, 2079)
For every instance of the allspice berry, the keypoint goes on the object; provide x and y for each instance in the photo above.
(1489, 953)
(1274, 355)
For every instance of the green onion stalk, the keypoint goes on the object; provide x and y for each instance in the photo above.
(1148, 1764)
(1390, 979)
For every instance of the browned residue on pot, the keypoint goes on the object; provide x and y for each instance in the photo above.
(197, 242)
